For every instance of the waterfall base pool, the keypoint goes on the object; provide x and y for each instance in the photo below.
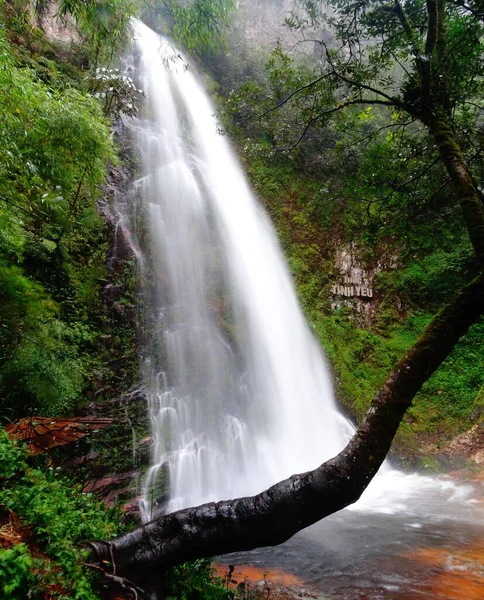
(357, 555)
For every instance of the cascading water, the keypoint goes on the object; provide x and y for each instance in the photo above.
(240, 396)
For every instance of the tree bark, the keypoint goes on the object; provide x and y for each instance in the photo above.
(276, 514)
(459, 172)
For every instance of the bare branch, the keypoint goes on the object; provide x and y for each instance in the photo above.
(477, 13)
(473, 104)
(412, 179)
(390, 100)
(304, 41)
(286, 100)
(371, 135)
(363, 86)
(330, 111)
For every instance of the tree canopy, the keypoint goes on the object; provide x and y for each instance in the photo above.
(422, 61)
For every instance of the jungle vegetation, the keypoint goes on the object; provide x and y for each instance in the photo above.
(368, 131)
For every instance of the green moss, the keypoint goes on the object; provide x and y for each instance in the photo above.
(309, 225)
(478, 407)
(430, 464)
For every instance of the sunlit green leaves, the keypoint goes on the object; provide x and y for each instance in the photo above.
(54, 149)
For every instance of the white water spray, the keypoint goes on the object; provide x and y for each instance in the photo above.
(240, 396)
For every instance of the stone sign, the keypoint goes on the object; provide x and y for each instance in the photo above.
(353, 285)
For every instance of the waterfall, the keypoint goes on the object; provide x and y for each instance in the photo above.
(239, 393)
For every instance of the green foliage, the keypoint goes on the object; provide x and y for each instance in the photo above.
(61, 518)
(431, 280)
(104, 24)
(44, 373)
(49, 140)
(447, 400)
(16, 575)
(117, 91)
(198, 25)
(195, 581)
(12, 457)
(54, 148)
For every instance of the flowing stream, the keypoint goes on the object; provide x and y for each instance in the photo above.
(239, 393)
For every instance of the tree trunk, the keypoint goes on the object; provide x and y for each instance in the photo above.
(472, 207)
(276, 514)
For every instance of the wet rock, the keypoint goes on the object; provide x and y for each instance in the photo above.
(114, 407)
(87, 458)
(143, 451)
(469, 445)
(131, 512)
(106, 486)
(119, 445)
(111, 292)
(160, 505)
(106, 340)
(84, 466)
(124, 313)
(478, 456)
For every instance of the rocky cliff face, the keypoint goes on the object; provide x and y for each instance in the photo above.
(57, 28)
(354, 285)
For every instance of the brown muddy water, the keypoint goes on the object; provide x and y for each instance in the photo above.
(409, 538)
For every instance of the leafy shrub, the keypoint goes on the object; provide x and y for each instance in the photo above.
(117, 92)
(61, 518)
(195, 581)
(16, 572)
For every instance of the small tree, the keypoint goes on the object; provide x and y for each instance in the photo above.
(117, 92)
(421, 60)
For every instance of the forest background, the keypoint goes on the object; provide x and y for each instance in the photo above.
(365, 182)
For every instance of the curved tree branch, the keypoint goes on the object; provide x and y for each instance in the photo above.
(330, 111)
(286, 100)
(466, 7)
(276, 514)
